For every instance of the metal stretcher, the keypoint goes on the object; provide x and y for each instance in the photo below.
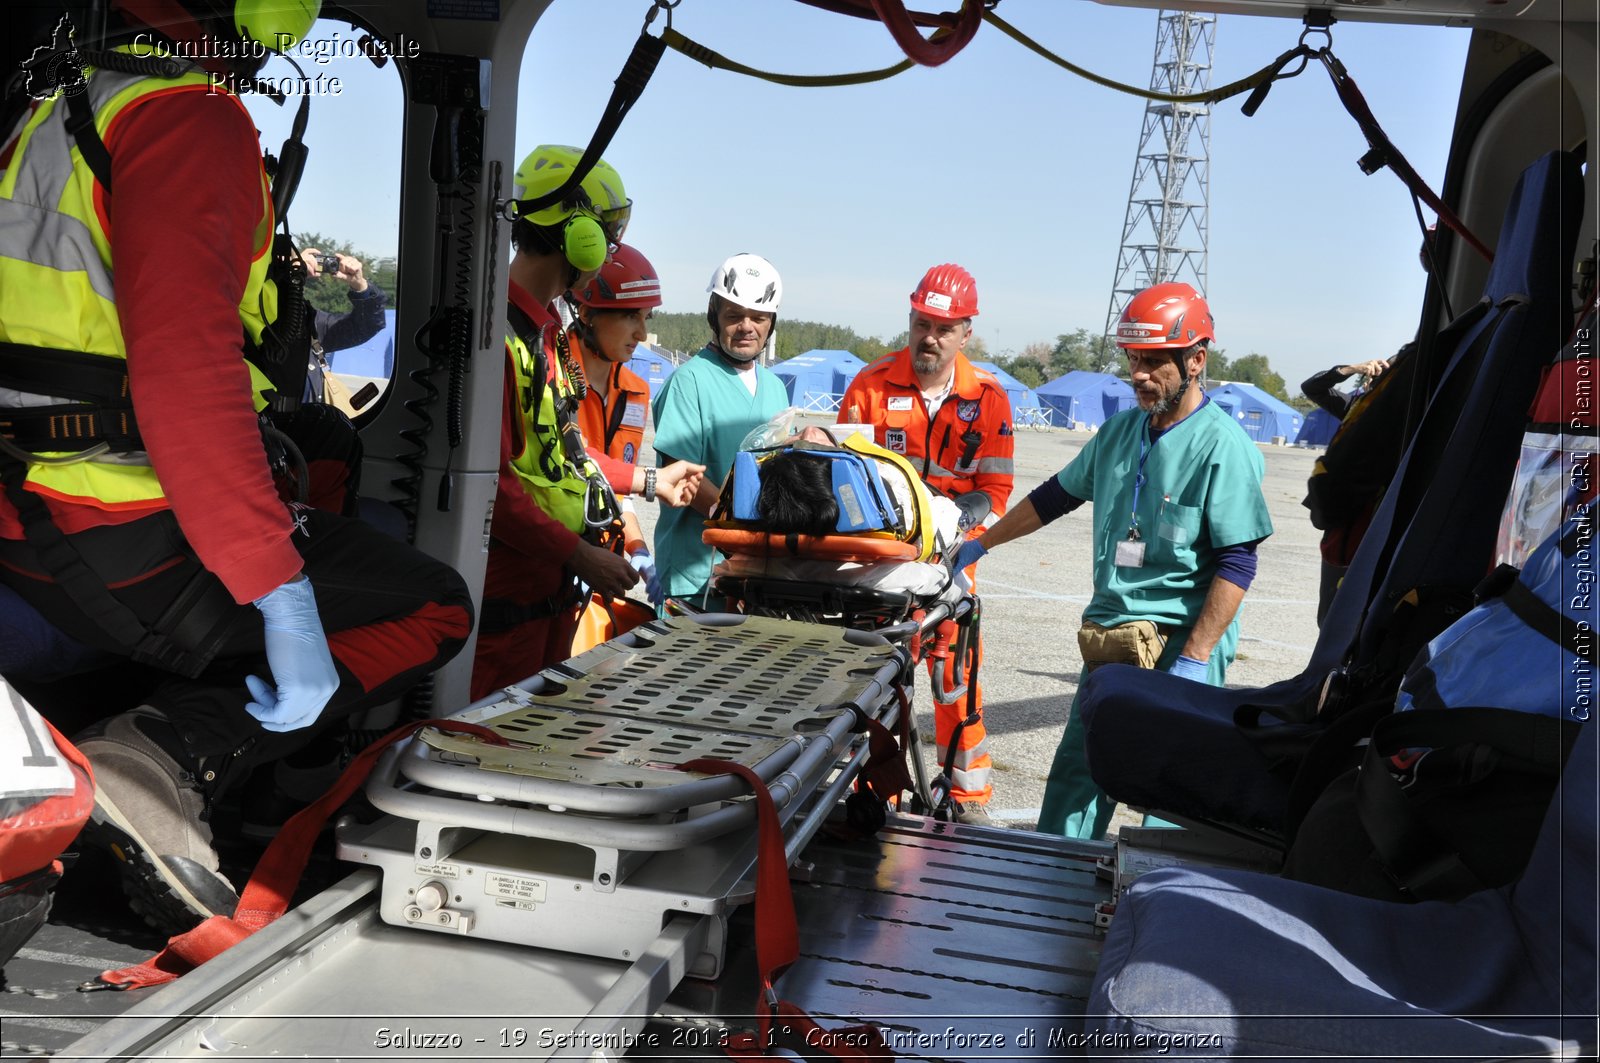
(583, 834)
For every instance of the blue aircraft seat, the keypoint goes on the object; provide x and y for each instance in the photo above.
(1159, 742)
(1234, 964)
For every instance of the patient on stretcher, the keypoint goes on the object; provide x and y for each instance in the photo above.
(816, 512)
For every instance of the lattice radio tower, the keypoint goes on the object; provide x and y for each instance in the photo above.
(1165, 233)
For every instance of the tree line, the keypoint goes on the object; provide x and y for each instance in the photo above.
(1098, 353)
(685, 333)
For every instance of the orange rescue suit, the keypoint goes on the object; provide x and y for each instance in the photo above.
(967, 445)
(615, 424)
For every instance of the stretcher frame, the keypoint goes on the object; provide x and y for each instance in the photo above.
(584, 835)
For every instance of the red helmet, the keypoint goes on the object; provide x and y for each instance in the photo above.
(946, 292)
(627, 282)
(1169, 316)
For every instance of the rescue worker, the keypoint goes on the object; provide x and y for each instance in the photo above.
(611, 320)
(953, 420)
(709, 404)
(140, 514)
(1178, 514)
(556, 525)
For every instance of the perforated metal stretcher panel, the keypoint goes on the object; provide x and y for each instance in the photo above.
(583, 833)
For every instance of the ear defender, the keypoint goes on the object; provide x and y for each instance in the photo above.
(584, 242)
(277, 25)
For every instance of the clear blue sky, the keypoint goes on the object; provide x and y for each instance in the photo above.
(997, 160)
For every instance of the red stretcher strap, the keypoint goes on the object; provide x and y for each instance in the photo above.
(923, 51)
(780, 1024)
(885, 774)
(271, 887)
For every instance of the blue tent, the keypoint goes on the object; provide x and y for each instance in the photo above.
(374, 358)
(1087, 399)
(1262, 417)
(652, 366)
(1318, 429)
(816, 380)
(1021, 395)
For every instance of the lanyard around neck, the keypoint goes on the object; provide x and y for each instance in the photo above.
(1146, 445)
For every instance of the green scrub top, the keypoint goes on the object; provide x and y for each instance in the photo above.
(1201, 491)
(702, 413)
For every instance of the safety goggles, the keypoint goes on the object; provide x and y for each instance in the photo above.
(615, 222)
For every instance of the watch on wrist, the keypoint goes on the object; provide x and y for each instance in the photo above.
(649, 485)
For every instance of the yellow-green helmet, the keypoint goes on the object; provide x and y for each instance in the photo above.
(548, 166)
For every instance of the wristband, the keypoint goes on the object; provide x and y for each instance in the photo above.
(649, 491)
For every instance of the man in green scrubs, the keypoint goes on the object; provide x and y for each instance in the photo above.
(707, 407)
(1178, 513)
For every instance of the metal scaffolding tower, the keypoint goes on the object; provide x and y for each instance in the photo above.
(1165, 233)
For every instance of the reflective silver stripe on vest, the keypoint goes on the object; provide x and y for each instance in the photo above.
(935, 469)
(32, 227)
(996, 465)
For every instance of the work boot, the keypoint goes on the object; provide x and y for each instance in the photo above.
(974, 815)
(148, 812)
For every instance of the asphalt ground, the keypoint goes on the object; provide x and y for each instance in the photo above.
(1034, 590)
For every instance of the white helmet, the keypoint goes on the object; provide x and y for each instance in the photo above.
(750, 281)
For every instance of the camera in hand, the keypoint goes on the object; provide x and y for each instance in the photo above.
(327, 262)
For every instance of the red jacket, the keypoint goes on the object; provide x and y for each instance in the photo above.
(966, 446)
(183, 225)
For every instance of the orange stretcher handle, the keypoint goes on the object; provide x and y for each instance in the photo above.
(745, 543)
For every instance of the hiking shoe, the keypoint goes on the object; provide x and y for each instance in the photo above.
(148, 813)
(973, 815)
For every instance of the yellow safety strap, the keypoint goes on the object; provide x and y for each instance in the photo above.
(1267, 73)
(716, 61)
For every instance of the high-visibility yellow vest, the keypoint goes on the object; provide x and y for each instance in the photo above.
(554, 468)
(56, 271)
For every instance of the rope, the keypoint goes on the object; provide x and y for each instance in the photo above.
(716, 61)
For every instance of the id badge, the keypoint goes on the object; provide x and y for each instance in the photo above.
(1130, 554)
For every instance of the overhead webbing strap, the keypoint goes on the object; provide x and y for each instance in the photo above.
(717, 61)
(630, 85)
(1265, 76)
(1384, 153)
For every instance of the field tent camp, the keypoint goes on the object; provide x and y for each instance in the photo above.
(652, 366)
(1318, 428)
(1263, 418)
(1081, 399)
(1021, 395)
(816, 379)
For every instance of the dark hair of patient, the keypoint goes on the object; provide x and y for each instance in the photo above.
(797, 495)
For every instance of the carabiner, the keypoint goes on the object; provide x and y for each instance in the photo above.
(660, 5)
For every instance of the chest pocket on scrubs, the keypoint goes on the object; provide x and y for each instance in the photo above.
(1175, 532)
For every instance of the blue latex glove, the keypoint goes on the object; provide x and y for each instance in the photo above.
(971, 551)
(645, 565)
(1189, 668)
(297, 653)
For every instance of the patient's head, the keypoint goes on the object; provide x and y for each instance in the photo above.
(797, 494)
